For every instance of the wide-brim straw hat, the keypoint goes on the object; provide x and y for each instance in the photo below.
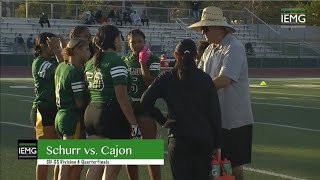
(212, 16)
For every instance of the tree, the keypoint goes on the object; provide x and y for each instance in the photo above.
(93, 5)
(21, 11)
(34, 9)
(268, 11)
(61, 9)
(313, 13)
(165, 9)
(68, 10)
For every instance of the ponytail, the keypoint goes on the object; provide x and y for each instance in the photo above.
(37, 51)
(97, 59)
(92, 48)
(41, 39)
(104, 40)
(186, 66)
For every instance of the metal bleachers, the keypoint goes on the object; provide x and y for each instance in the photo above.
(163, 36)
(160, 35)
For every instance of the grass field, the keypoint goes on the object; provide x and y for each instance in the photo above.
(286, 135)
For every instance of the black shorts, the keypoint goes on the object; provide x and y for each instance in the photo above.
(42, 115)
(106, 120)
(46, 112)
(237, 145)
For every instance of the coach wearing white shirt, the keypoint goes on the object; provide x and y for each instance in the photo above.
(226, 62)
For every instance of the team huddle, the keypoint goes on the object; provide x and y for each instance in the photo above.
(85, 90)
(77, 98)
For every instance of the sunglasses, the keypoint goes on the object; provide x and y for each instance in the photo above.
(205, 29)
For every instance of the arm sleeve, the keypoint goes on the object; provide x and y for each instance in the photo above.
(233, 63)
(215, 115)
(119, 72)
(149, 98)
(78, 85)
(47, 69)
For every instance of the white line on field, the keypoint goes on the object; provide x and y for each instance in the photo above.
(282, 125)
(16, 95)
(27, 100)
(271, 104)
(283, 98)
(21, 87)
(17, 79)
(258, 98)
(16, 124)
(303, 95)
(281, 79)
(286, 126)
(286, 105)
(272, 173)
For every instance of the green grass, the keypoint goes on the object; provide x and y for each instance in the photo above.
(282, 150)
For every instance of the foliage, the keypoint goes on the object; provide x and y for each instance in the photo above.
(69, 9)
(21, 11)
(227, 5)
(268, 11)
(313, 13)
(164, 8)
(34, 10)
(61, 9)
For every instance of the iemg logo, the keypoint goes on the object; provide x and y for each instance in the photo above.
(293, 17)
(27, 149)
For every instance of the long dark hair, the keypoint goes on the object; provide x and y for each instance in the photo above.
(104, 40)
(188, 51)
(74, 33)
(41, 39)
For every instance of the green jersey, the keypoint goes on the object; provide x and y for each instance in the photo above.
(43, 76)
(69, 85)
(112, 71)
(138, 87)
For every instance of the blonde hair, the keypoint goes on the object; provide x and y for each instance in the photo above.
(72, 44)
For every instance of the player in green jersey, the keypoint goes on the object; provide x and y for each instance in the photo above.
(109, 114)
(71, 97)
(83, 32)
(44, 110)
(144, 68)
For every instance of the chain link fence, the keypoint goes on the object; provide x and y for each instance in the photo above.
(74, 11)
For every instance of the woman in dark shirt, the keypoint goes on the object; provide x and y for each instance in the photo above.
(193, 105)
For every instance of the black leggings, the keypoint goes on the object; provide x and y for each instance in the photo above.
(44, 22)
(189, 159)
(145, 20)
